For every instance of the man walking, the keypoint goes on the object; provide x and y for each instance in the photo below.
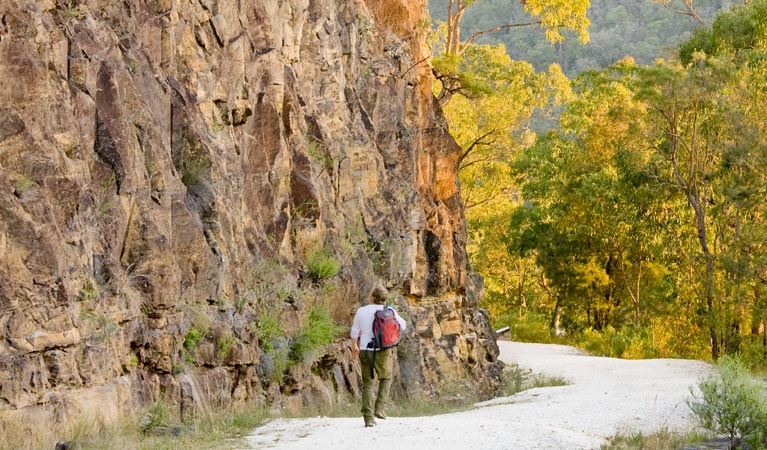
(380, 361)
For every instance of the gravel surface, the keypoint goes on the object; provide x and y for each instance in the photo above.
(605, 396)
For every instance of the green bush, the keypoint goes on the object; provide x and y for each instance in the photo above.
(158, 416)
(321, 265)
(22, 185)
(268, 328)
(224, 347)
(320, 330)
(194, 170)
(628, 343)
(193, 336)
(753, 353)
(733, 404)
(527, 328)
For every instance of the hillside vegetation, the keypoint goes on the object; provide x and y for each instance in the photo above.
(635, 227)
(637, 28)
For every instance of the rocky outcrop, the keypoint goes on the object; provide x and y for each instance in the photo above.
(175, 175)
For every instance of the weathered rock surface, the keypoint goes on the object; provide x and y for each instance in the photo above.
(169, 167)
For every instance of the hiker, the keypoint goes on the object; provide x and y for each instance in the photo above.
(374, 361)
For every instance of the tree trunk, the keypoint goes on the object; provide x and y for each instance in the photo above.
(708, 282)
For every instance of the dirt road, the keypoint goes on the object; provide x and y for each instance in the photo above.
(604, 396)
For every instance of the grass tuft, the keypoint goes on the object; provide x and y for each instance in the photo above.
(660, 440)
(321, 265)
(319, 331)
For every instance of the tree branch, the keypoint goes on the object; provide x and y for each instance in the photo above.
(478, 141)
(689, 12)
(477, 34)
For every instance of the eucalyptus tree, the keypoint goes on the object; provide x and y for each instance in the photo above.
(553, 16)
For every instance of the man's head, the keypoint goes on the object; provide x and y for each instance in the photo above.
(379, 295)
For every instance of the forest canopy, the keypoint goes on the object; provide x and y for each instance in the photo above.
(636, 226)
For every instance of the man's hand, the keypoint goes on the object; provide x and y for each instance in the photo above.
(355, 348)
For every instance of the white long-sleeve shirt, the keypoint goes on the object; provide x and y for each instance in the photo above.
(362, 326)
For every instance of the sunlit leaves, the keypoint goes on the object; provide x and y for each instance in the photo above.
(558, 15)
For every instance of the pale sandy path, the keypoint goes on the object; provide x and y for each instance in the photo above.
(605, 396)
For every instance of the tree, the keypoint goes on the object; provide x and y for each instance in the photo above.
(450, 68)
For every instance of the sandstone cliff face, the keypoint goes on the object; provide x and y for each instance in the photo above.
(168, 170)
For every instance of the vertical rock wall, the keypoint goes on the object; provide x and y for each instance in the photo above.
(170, 168)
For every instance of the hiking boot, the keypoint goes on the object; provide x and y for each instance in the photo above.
(370, 422)
(381, 415)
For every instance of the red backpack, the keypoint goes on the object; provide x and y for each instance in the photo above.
(385, 328)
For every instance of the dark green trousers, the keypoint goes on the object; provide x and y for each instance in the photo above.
(382, 362)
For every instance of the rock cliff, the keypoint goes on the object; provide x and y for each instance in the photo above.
(188, 186)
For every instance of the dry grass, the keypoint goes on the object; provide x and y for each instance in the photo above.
(153, 428)
(661, 440)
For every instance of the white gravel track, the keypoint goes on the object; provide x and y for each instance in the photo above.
(605, 396)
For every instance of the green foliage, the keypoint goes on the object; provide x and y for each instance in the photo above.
(224, 345)
(628, 343)
(268, 328)
(319, 330)
(740, 30)
(733, 404)
(195, 169)
(320, 153)
(70, 10)
(516, 379)
(320, 265)
(192, 338)
(529, 328)
(617, 28)
(158, 416)
(22, 184)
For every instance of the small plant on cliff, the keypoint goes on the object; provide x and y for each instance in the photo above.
(22, 185)
(70, 10)
(224, 347)
(192, 338)
(320, 330)
(268, 328)
(317, 150)
(194, 171)
(321, 265)
(732, 403)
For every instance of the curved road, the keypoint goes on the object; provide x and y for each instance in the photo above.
(605, 396)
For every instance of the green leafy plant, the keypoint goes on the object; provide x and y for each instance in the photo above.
(321, 265)
(733, 404)
(192, 338)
